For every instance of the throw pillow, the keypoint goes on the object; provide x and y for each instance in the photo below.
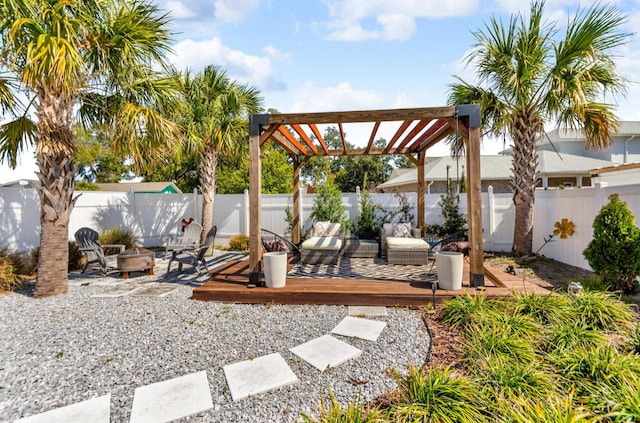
(280, 245)
(319, 228)
(388, 227)
(402, 230)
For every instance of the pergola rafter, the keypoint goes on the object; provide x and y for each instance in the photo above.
(419, 129)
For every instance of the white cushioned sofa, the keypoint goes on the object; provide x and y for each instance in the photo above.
(324, 244)
(402, 244)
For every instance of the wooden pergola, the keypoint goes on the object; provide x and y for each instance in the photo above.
(419, 129)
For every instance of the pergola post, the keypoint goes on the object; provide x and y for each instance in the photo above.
(421, 189)
(295, 236)
(255, 198)
(474, 193)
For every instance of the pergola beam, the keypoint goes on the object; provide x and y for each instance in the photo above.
(364, 116)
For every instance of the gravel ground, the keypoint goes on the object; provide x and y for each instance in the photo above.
(62, 350)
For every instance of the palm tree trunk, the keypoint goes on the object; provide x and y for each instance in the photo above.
(526, 130)
(55, 155)
(208, 168)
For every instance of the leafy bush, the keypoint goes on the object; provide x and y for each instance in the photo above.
(14, 267)
(116, 236)
(437, 396)
(452, 221)
(239, 243)
(327, 204)
(367, 225)
(460, 312)
(86, 186)
(333, 412)
(614, 251)
(601, 311)
(593, 284)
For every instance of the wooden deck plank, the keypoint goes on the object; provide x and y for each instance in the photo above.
(230, 283)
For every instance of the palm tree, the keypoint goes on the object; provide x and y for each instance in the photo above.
(216, 121)
(99, 59)
(526, 76)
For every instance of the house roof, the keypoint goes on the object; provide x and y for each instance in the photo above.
(140, 187)
(495, 168)
(626, 129)
(491, 168)
(552, 163)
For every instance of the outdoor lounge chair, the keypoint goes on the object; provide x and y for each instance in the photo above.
(402, 244)
(89, 243)
(452, 242)
(194, 256)
(190, 238)
(324, 245)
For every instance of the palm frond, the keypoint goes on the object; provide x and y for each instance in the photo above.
(15, 137)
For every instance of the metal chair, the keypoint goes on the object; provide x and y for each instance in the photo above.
(274, 242)
(89, 243)
(194, 256)
(437, 244)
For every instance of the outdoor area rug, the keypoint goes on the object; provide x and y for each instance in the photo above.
(361, 268)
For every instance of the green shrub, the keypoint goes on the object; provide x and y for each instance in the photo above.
(614, 251)
(572, 334)
(437, 396)
(116, 236)
(493, 341)
(239, 243)
(543, 308)
(552, 408)
(599, 310)
(510, 380)
(461, 311)
(327, 204)
(9, 279)
(86, 186)
(367, 225)
(452, 220)
(333, 412)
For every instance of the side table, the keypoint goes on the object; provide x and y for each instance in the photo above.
(361, 248)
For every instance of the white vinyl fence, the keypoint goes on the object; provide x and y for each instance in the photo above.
(151, 217)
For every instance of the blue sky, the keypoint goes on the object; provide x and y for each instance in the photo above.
(328, 55)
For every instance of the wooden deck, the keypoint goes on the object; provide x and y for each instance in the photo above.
(230, 283)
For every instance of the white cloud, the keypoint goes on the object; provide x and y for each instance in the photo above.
(397, 27)
(234, 10)
(404, 101)
(277, 55)
(343, 96)
(395, 18)
(240, 66)
(179, 10)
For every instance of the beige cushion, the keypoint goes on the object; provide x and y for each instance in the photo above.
(332, 230)
(407, 243)
(330, 243)
(388, 228)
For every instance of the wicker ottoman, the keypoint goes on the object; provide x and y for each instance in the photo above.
(361, 248)
(407, 251)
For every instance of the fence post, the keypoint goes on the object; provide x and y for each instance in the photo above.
(491, 203)
(195, 205)
(600, 198)
(245, 212)
(132, 211)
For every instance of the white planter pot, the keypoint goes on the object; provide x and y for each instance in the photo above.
(275, 269)
(449, 268)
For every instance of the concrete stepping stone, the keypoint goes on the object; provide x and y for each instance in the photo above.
(154, 291)
(171, 399)
(325, 352)
(259, 375)
(116, 291)
(373, 311)
(94, 410)
(360, 328)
